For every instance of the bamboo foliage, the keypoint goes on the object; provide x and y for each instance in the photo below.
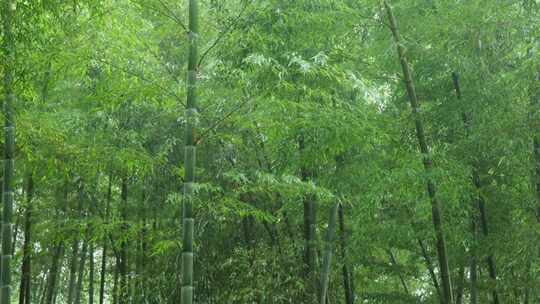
(327, 121)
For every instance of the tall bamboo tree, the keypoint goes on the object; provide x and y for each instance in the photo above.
(190, 153)
(310, 235)
(8, 12)
(480, 205)
(427, 161)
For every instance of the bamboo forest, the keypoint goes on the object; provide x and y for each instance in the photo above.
(270, 151)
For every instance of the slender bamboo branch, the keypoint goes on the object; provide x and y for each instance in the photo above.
(395, 265)
(430, 267)
(158, 59)
(168, 12)
(174, 16)
(227, 30)
(141, 77)
(220, 121)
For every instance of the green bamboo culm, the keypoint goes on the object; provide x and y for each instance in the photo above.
(428, 164)
(481, 212)
(8, 10)
(328, 250)
(189, 157)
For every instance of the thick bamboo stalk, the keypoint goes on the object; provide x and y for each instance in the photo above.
(186, 293)
(8, 10)
(426, 156)
(310, 237)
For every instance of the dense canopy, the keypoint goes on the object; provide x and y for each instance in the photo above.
(270, 151)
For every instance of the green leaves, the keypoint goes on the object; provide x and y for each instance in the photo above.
(298, 99)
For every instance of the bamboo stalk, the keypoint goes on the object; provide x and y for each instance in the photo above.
(8, 48)
(328, 252)
(52, 278)
(427, 161)
(348, 286)
(480, 203)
